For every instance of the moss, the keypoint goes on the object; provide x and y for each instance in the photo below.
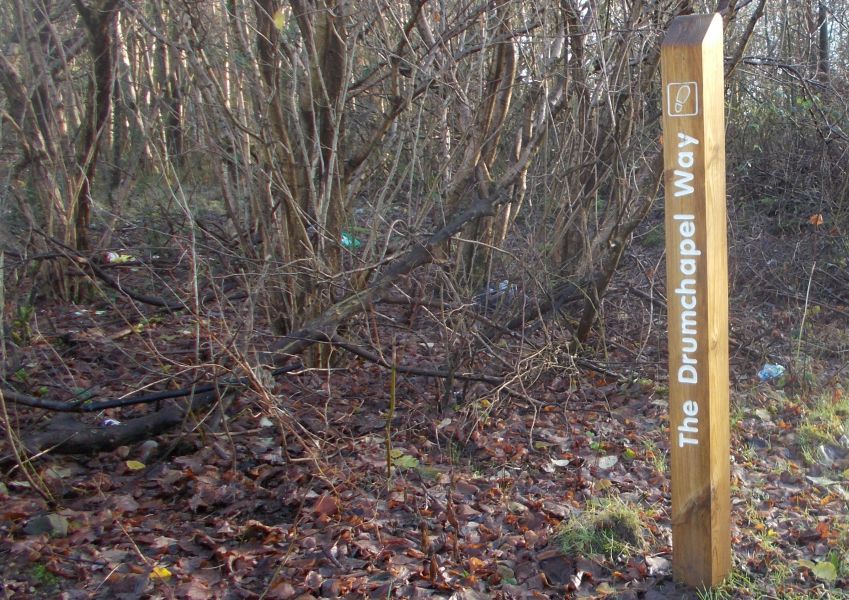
(610, 527)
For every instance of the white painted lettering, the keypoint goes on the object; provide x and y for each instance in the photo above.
(688, 248)
(683, 290)
(688, 267)
(683, 440)
(686, 289)
(688, 374)
(688, 322)
(689, 429)
(682, 182)
(686, 160)
(685, 140)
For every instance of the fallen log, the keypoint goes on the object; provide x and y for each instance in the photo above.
(66, 434)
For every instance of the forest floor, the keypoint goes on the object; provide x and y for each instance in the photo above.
(556, 487)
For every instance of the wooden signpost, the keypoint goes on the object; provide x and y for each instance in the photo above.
(697, 292)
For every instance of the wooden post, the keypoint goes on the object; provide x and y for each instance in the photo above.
(697, 292)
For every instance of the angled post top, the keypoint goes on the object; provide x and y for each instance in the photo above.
(694, 30)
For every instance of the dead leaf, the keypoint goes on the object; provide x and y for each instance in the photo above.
(604, 588)
(124, 503)
(325, 506)
(658, 565)
(196, 589)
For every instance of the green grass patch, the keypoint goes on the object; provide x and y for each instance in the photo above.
(823, 422)
(608, 527)
(740, 585)
(42, 577)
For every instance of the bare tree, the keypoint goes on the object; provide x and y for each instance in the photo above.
(59, 127)
(352, 145)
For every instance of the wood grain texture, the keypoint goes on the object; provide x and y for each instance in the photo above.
(697, 286)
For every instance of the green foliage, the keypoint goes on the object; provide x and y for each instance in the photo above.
(655, 238)
(740, 584)
(825, 570)
(21, 324)
(403, 461)
(804, 103)
(655, 455)
(42, 577)
(608, 527)
(823, 422)
(736, 585)
(455, 452)
(21, 375)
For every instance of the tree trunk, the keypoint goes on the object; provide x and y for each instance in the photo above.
(822, 43)
(99, 22)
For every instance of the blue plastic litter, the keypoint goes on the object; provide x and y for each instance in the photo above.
(492, 297)
(770, 371)
(350, 242)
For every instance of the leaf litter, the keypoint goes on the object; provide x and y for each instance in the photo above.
(475, 504)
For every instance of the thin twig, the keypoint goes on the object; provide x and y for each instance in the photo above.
(23, 463)
(805, 312)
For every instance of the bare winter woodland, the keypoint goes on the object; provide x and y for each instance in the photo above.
(371, 293)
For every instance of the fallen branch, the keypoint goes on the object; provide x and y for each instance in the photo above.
(143, 298)
(69, 436)
(561, 295)
(83, 406)
(373, 357)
